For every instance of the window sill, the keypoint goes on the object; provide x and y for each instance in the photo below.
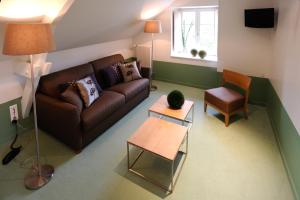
(190, 57)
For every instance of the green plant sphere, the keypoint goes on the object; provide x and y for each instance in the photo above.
(175, 99)
(202, 54)
(194, 52)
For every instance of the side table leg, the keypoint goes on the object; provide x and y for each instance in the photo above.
(187, 143)
(128, 161)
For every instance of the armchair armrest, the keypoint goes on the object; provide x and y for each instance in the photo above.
(60, 119)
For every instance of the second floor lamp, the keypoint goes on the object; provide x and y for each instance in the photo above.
(152, 26)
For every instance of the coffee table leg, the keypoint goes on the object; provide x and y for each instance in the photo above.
(128, 161)
(171, 177)
(193, 113)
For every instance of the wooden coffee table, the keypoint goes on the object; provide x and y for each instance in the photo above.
(163, 139)
(161, 107)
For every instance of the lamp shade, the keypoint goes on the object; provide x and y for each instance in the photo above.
(28, 39)
(152, 26)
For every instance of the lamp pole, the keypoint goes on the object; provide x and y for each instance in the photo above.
(40, 174)
(152, 87)
(37, 144)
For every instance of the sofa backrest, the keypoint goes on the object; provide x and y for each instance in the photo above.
(51, 84)
(102, 63)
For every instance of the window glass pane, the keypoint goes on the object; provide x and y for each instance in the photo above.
(185, 34)
(188, 18)
(207, 17)
(207, 33)
(195, 28)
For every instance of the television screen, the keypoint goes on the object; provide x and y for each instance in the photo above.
(259, 18)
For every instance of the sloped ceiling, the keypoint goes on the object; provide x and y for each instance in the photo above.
(94, 21)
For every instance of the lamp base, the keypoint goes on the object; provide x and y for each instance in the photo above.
(153, 88)
(34, 181)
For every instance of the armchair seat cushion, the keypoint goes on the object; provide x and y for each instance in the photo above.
(104, 106)
(227, 100)
(131, 89)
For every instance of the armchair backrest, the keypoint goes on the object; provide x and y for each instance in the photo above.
(237, 79)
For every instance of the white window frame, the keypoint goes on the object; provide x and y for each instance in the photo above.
(198, 10)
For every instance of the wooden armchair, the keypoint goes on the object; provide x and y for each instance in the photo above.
(228, 101)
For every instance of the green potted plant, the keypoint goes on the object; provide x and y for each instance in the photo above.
(175, 99)
(202, 54)
(194, 52)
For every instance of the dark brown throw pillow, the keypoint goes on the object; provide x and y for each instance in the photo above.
(71, 96)
(112, 75)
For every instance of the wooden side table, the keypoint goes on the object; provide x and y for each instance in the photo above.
(161, 138)
(161, 107)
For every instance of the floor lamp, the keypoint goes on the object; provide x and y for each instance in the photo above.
(152, 26)
(29, 39)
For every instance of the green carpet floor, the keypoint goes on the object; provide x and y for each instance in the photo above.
(241, 162)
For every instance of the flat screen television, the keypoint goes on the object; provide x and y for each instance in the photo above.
(259, 18)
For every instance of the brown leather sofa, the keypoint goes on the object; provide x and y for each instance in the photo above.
(77, 128)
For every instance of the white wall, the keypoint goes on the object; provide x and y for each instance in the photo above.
(72, 57)
(240, 48)
(11, 85)
(247, 50)
(286, 58)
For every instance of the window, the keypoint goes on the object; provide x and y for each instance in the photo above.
(195, 28)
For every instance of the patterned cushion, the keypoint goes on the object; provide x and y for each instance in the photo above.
(65, 86)
(130, 71)
(71, 96)
(112, 75)
(88, 90)
(138, 64)
(93, 77)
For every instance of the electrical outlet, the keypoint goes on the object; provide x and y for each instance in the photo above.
(14, 112)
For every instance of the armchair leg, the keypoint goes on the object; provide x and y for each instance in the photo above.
(227, 120)
(205, 106)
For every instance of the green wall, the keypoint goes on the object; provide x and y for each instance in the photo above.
(204, 78)
(7, 130)
(287, 137)
(196, 76)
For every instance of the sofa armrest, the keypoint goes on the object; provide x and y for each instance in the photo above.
(60, 119)
(146, 72)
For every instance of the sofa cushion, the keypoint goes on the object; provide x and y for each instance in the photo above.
(103, 107)
(71, 96)
(100, 64)
(131, 89)
(130, 71)
(225, 99)
(50, 84)
(88, 90)
(112, 75)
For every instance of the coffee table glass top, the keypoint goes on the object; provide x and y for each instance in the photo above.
(161, 106)
(160, 137)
